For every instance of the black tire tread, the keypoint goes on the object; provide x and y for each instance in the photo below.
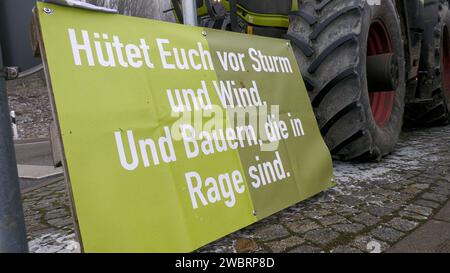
(344, 127)
(332, 30)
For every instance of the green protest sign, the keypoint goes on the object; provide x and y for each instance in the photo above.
(175, 136)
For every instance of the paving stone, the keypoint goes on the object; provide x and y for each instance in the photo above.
(245, 245)
(434, 197)
(271, 232)
(366, 219)
(419, 210)
(315, 214)
(294, 217)
(31, 213)
(321, 236)
(283, 245)
(411, 190)
(347, 211)
(350, 200)
(445, 183)
(392, 186)
(331, 220)
(375, 199)
(57, 213)
(383, 192)
(427, 203)
(302, 226)
(402, 197)
(306, 249)
(387, 234)
(367, 243)
(348, 228)
(421, 186)
(412, 215)
(35, 227)
(59, 223)
(379, 211)
(42, 205)
(36, 218)
(402, 224)
(40, 232)
(404, 183)
(346, 249)
(441, 190)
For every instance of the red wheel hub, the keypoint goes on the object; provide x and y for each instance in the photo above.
(445, 51)
(381, 102)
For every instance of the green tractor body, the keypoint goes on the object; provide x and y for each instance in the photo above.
(250, 14)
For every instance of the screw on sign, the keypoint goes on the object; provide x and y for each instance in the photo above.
(48, 11)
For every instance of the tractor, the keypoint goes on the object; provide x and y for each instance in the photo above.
(370, 66)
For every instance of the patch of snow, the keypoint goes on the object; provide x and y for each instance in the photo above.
(347, 172)
(54, 243)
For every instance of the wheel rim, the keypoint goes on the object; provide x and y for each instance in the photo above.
(446, 61)
(381, 102)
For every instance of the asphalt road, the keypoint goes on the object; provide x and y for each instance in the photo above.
(34, 152)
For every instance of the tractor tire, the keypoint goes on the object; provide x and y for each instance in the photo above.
(434, 77)
(331, 41)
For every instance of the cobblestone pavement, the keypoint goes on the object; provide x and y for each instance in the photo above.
(28, 97)
(373, 206)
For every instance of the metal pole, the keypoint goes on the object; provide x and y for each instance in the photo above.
(13, 237)
(189, 12)
(14, 125)
(234, 16)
